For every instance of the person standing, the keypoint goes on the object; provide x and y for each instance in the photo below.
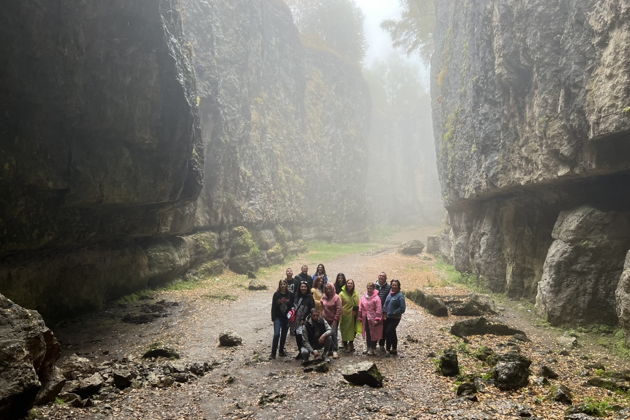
(371, 316)
(350, 310)
(281, 303)
(290, 282)
(303, 276)
(332, 309)
(383, 289)
(393, 309)
(321, 273)
(340, 281)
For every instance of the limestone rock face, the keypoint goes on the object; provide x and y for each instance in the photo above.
(279, 118)
(28, 352)
(583, 266)
(622, 295)
(531, 125)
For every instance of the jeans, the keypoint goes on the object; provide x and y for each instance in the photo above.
(334, 336)
(391, 339)
(280, 328)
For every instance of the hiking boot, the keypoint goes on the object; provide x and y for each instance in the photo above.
(393, 352)
(282, 353)
(272, 356)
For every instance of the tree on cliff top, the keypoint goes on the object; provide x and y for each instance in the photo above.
(338, 24)
(413, 31)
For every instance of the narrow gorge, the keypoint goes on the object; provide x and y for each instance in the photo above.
(144, 139)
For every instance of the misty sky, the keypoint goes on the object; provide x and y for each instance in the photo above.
(379, 43)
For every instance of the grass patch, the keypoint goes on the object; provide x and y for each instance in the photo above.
(325, 251)
(469, 281)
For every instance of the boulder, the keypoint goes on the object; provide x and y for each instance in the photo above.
(561, 394)
(363, 373)
(229, 339)
(449, 364)
(467, 388)
(481, 326)
(583, 266)
(413, 247)
(511, 371)
(547, 372)
(160, 351)
(433, 245)
(122, 378)
(76, 366)
(50, 389)
(256, 284)
(435, 306)
(89, 386)
(28, 352)
(476, 305)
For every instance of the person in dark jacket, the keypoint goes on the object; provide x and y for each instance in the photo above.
(316, 336)
(289, 279)
(340, 281)
(394, 308)
(383, 289)
(281, 303)
(303, 276)
(302, 304)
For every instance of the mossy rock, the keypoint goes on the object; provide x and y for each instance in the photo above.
(245, 263)
(241, 241)
(206, 244)
(275, 255)
(266, 239)
(211, 268)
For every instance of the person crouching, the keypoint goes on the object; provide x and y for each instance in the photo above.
(316, 337)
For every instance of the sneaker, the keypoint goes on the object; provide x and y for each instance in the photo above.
(370, 352)
(335, 355)
(366, 351)
(393, 352)
(282, 353)
(272, 357)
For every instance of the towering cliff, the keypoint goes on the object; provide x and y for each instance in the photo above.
(532, 130)
(106, 132)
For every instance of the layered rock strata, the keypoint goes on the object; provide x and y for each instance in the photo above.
(106, 133)
(532, 126)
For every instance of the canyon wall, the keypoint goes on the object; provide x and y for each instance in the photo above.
(141, 139)
(532, 129)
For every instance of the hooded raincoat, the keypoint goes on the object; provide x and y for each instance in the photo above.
(349, 318)
(371, 314)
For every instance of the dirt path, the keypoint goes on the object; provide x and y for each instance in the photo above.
(233, 389)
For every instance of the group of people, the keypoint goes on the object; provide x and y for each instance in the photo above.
(317, 312)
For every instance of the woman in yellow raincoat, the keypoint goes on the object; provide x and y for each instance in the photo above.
(350, 307)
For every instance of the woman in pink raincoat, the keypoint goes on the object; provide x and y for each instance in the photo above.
(371, 316)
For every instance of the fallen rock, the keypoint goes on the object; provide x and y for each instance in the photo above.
(611, 383)
(449, 365)
(122, 378)
(435, 306)
(574, 413)
(89, 386)
(256, 284)
(476, 305)
(413, 247)
(481, 326)
(467, 388)
(50, 389)
(28, 352)
(160, 351)
(320, 366)
(229, 339)
(271, 397)
(547, 372)
(76, 366)
(363, 373)
(561, 394)
(568, 341)
(511, 371)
